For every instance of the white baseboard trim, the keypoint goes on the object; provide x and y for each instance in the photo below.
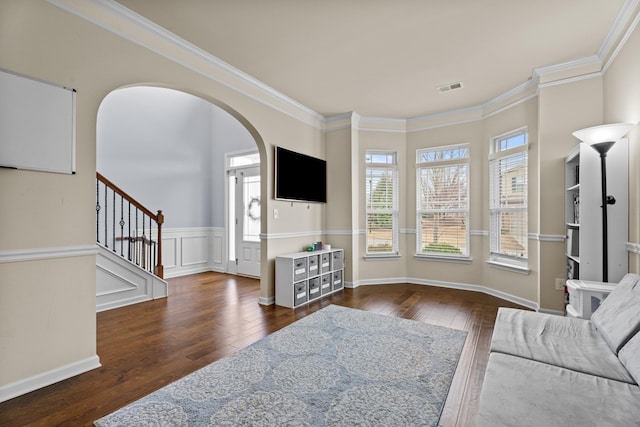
(120, 282)
(452, 285)
(44, 379)
(267, 301)
(188, 271)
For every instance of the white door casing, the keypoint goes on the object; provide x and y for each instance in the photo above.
(247, 220)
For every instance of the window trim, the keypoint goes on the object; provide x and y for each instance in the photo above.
(430, 164)
(499, 260)
(395, 211)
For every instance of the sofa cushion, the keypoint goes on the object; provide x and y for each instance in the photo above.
(561, 341)
(618, 317)
(630, 356)
(522, 392)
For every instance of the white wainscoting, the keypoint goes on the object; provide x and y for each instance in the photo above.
(119, 282)
(192, 250)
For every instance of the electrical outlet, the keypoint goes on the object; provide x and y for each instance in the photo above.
(559, 284)
(275, 214)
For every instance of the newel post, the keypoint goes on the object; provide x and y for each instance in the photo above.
(159, 266)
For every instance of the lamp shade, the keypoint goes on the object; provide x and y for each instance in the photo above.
(603, 133)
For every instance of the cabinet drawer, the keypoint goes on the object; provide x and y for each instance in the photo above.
(300, 293)
(299, 269)
(314, 288)
(337, 280)
(325, 263)
(325, 283)
(314, 265)
(337, 261)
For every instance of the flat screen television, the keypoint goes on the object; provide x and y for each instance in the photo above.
(300, 177)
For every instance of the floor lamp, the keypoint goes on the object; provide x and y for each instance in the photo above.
(602, 138)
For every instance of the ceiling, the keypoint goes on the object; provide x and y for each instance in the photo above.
(386, 58)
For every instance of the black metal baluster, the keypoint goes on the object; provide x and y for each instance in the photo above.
(106, 226)
(155, 254)
(136, 258)
(144, 243)
(129, 235)
(121, 226)
(113, 223)
(149, 256)
(97, 210)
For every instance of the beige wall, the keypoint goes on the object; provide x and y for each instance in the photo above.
(47, 307)
(339, 209)
(564, 108)
(622, 104)
(430, 269)
(390, 268)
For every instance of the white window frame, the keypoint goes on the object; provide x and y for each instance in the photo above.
(500, 151)
(388, 166)
(425, 164)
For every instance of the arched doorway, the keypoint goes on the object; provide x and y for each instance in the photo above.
(168, 149)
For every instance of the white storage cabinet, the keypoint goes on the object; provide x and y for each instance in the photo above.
(305, 276)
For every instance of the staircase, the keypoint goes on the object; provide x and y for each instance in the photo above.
(129, 266)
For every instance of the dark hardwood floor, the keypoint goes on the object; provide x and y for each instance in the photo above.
(211, 315)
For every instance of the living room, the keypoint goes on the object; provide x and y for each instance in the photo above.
(48, 258)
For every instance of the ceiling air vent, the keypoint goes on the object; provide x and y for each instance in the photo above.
(452, 86)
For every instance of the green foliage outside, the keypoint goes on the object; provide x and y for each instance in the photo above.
(442, 248)
(382, 247)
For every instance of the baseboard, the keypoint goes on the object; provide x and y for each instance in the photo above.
(267, 301)
(188, 271)
(44, 379)
(452, 285)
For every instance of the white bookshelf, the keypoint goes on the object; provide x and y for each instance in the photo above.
(306, 276)
(583, 220)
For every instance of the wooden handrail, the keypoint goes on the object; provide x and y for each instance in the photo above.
(158, 218)
(130, 199)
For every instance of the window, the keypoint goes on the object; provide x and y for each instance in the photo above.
(382, 202)
(508, 199)
(442, 201)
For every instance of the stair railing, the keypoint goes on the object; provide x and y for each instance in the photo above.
(127, 228)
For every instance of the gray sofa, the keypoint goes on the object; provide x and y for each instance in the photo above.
(547, 370)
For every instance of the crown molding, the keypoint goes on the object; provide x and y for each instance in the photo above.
(380, 124)
(541, 72)
(111, 16)
(131, 26)
(561, 82)
(624, 16)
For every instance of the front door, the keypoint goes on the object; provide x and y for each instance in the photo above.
(248, 221)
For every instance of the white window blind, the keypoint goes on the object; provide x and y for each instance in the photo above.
(382, 202)
(508, 228)
(442, 199)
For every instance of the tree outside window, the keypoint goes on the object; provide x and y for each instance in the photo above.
(443, 201)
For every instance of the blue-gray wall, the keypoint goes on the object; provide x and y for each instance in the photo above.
(166, 149)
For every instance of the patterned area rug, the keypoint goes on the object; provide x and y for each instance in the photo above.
(336, 367)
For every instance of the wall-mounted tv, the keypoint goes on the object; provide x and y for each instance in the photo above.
(300, 177)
